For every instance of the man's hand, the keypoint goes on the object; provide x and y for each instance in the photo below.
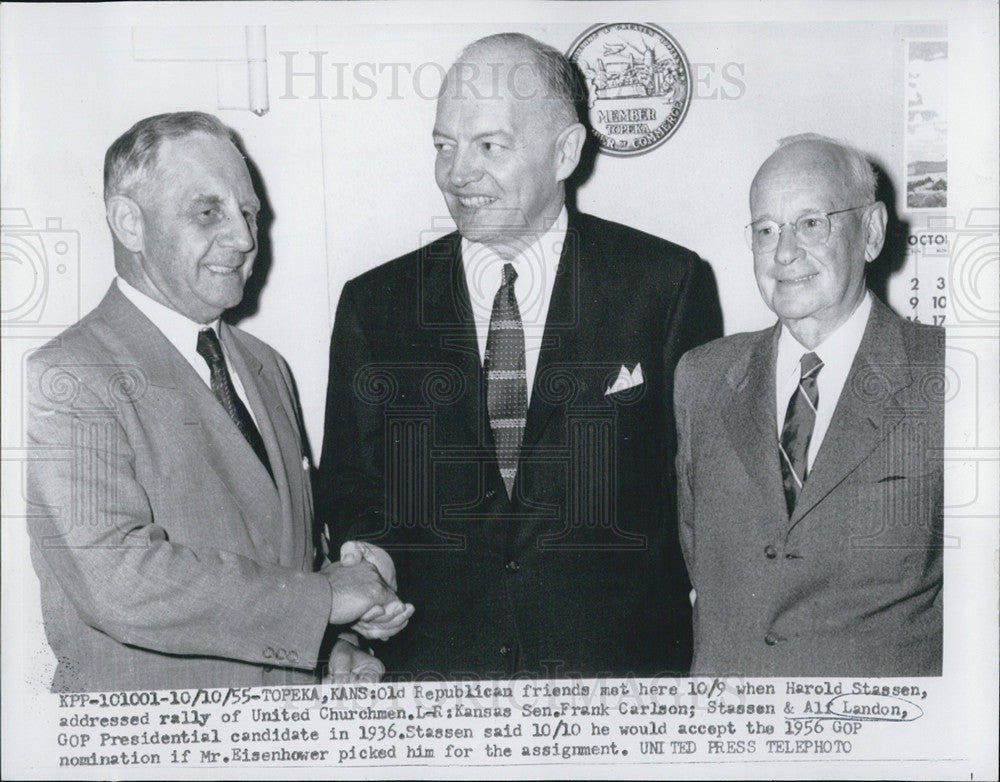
(349, 663)
(383, 621)
(394, 618)
(355, 551)
(357, 589)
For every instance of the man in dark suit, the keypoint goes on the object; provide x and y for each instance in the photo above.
(498, 412)
(809, 454)
(173, 531)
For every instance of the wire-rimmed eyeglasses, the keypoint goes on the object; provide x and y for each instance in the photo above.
(810, 229)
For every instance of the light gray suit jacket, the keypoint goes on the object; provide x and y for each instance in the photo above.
(167, 556)
(850, 585)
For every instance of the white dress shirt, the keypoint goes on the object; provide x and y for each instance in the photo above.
(837, 353)
(182, 333)
(536, 277)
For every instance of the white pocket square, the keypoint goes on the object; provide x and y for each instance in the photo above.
(626, 380)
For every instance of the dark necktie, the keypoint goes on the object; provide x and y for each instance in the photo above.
(797, 431)
(506, 382)
(222, 386)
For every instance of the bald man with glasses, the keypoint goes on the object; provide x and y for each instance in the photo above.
(809, 453)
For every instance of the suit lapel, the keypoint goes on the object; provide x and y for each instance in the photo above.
(282, 449)
(581, 298)
(263, 400)
(446, 317)
(749, 419)
(176, 393)
(868, 409)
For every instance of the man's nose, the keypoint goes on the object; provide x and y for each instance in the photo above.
(239, 233)
(788, 248)
(465, 168)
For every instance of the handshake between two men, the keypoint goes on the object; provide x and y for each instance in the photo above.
(364, 597)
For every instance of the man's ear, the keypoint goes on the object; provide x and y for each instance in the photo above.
(125, 219)
(875, 222)
(569, 147)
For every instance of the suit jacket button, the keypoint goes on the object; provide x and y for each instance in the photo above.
(770, 552)
(512, 567)
(490, 494)
(770, 639)
(504, 650)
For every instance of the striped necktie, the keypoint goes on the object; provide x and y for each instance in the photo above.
(506, 381)
(797, 431)
(222, 386)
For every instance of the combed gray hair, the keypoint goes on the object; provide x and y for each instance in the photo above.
(564, 89)
(861, 173)
(131, 159)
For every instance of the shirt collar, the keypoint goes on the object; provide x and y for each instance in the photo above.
(544, 252)
(181, 331)
(838, 347)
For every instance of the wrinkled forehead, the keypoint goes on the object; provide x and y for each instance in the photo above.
(815, 175)
(202, 161)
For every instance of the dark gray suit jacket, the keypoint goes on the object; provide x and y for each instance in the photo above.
(580, 573)
(850, 585)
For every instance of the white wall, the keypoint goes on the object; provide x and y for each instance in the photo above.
(351, 179)
(351, 185)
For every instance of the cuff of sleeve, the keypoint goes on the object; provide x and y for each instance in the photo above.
(305, 611)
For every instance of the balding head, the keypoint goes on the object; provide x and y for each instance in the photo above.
(815, 225)
(517, 65)
(507, 137)
(838, 164)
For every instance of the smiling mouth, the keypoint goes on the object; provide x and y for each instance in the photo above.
(796, 280)
(222, 269)
(475, 202)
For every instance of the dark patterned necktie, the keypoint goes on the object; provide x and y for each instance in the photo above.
(797, 431)
(506, 382)
(222, 386)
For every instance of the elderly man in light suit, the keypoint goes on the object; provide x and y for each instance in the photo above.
(173, 533)
(809, 470)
